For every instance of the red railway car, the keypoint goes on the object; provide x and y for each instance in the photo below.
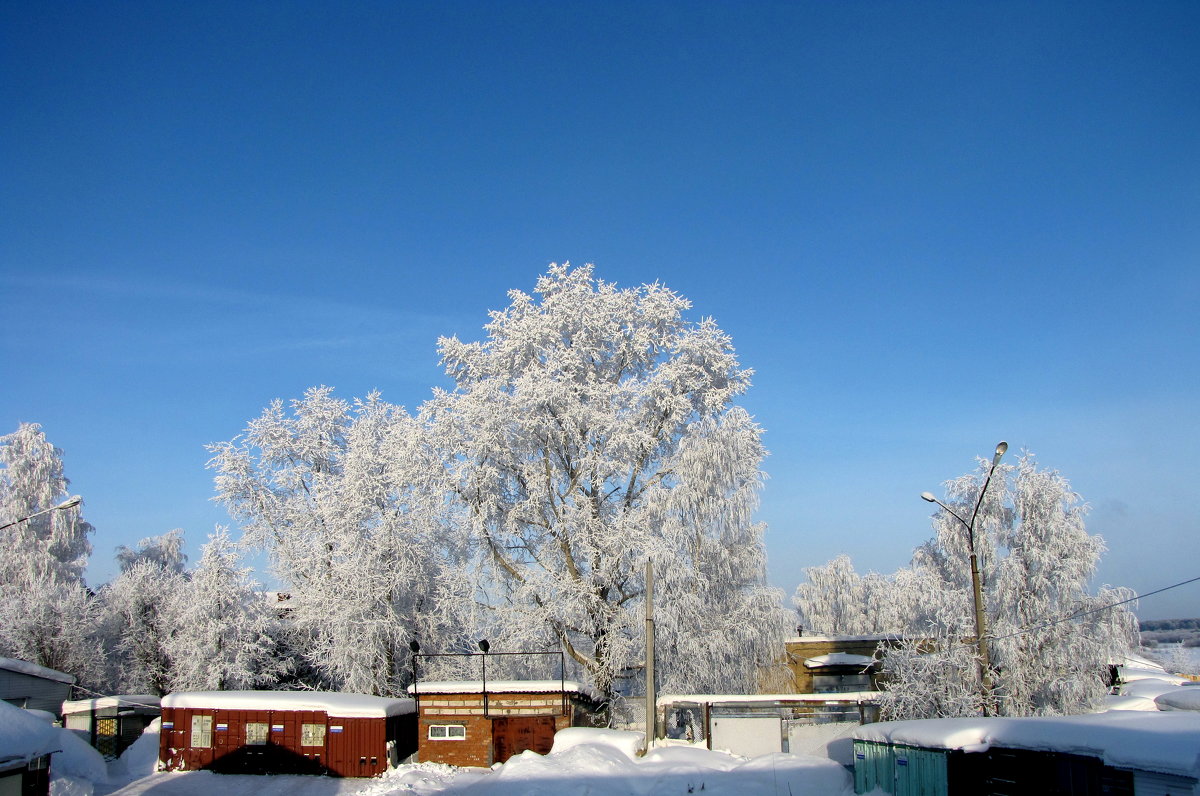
(286, 732)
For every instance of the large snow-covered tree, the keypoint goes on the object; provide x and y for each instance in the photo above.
(222, 635)
(142, 604)
(47, 615)
(1050, 640)
(592, 429)
(340, 497)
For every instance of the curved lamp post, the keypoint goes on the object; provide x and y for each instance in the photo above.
(69, 503)
(984, 659)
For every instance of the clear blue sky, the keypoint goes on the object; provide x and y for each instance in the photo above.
(927, 227)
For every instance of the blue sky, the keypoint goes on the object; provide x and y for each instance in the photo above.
(927, 227)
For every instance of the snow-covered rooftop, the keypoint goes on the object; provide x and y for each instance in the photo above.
(334, 704)
(1151, 741)
(500, 686)
(122, 701)
(32, 669)
(851, 696)
(825, 639)
(839, 659)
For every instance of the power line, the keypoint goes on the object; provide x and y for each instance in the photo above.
(1078, 614)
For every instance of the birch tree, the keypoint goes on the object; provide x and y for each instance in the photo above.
(222, 635)
(142, 604)
(340, 496)
(592, 429)
(47, 615)
(1050, 640)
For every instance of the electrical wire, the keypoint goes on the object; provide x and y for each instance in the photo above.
(1078, 614)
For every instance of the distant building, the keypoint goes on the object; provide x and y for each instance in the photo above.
(27, 685)
(835, 664)
(462, 724)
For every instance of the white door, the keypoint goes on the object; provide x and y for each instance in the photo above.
(751, 737)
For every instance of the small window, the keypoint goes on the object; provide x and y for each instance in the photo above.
(256, 733)
(312, 734)
(447, 732)
(201, 732)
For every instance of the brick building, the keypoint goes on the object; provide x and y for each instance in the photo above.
(461, 724)
(835, 664)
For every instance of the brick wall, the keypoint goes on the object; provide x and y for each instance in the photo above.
(467, 710)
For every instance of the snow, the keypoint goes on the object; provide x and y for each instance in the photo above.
(839, 659)
(625, 741)
(122, 701)
(1163, 742)
(140, 759)
(1181, 698)
(499, 686)
(334, 704)
(32, 669)
(1131, 674)
(74, 765)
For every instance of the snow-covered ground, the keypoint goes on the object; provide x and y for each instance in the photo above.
(581, 764)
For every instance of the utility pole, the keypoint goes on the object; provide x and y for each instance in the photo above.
(651, 708)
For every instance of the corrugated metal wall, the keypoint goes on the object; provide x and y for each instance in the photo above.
(351, 747)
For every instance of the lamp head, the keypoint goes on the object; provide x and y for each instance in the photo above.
(484, 646)
(1000, 449)
(70, 502)
(928, 497)
(414, 646)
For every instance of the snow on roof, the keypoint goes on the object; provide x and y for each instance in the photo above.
(839, 659)
(500, 686)
(32, 669)
(1180, 698)
(334, 704)
(24, 736)
(826, 639)
(120, 701)
(1150, 741)
(714, 699)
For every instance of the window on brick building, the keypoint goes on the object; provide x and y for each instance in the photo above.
(447, 732)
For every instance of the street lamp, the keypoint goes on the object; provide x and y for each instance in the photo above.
(484, 646)
(985, 662)
(69, 503)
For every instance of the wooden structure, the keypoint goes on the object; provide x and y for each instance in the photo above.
(111, 724)
(27, 685)
(285, 732)
(1120, 753)
(463, 724)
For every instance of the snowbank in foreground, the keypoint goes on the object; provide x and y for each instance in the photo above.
(591, 769)
(74, 765)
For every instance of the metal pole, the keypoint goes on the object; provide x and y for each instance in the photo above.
(651, 708)
(983, 655)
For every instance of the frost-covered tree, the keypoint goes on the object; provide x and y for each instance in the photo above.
(47, 614)
(51, 544)
(1050, 640)
(592, 429)
(165, 552)
(341, 498)
(222, 636)
(142, 604)
(836, 600)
